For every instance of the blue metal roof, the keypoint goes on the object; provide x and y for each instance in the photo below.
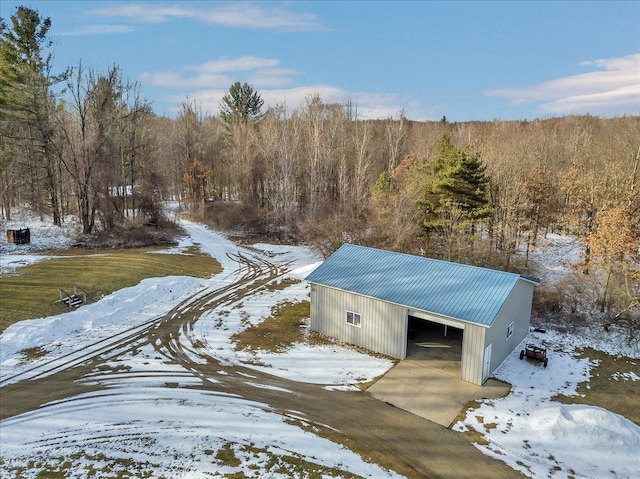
(455, 290)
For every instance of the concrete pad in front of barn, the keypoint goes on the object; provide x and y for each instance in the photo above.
(432, 391)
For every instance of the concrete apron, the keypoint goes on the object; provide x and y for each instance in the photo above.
(432, 389)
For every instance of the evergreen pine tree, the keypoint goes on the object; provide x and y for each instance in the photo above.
(455, 199)
(241, 104)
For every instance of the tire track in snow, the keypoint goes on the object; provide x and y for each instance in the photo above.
(248, 271)
(165, 334)
(399, 439)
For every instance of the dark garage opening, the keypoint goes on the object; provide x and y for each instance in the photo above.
(428, 340)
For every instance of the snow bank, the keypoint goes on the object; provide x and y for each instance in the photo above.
(153, 424)
(88, 324)
(330, 365)
(543, 438)
(139, 418)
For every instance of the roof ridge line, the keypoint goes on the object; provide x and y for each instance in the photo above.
(427, 258)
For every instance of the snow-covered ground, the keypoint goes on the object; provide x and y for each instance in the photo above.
(154, 424)
(555, 254)
(44, 236)
(140, 418)
(545, 438)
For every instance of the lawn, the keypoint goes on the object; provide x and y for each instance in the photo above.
(277, 332)
(611, 385)
(33, 291)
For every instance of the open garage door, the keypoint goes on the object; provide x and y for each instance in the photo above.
(433, 341)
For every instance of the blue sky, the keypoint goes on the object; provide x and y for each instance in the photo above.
(464, 60)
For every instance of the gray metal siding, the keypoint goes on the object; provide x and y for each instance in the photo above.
(516, 308)
(473, 342)
(383, 328)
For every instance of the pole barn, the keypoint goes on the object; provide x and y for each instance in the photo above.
(370, 297)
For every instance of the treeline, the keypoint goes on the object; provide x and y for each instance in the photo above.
(85, 143)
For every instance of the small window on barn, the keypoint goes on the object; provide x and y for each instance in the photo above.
(510, 330)
(354, 319)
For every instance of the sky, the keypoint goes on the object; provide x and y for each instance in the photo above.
(466, 61)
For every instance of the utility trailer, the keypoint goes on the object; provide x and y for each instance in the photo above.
(535, 352)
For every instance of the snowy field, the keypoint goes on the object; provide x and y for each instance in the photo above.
(545, 438)
(137, 417)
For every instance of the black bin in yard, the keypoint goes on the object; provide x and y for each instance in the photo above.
(21, 236)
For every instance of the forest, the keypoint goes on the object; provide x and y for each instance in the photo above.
(85, 144)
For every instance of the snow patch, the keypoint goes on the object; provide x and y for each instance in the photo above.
(153, 424)
(542, 438)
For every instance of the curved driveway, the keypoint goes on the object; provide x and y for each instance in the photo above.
(386, 435)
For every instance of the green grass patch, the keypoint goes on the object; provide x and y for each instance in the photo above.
(279, 331)
(607, 387)
(32, 291)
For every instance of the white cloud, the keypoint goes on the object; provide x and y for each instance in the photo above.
(264, 16)
(247, 15)
(295, 97)
(99, 30)
(615, 90)
(372, 106)
(234, 64)
(622, 100)
(260, 72)
(208, 82)
(177, 80)
(273, 77)
(140, 12)
(210, 98)
(367, 106)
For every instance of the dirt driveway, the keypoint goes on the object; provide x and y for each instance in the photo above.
(389, 436)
